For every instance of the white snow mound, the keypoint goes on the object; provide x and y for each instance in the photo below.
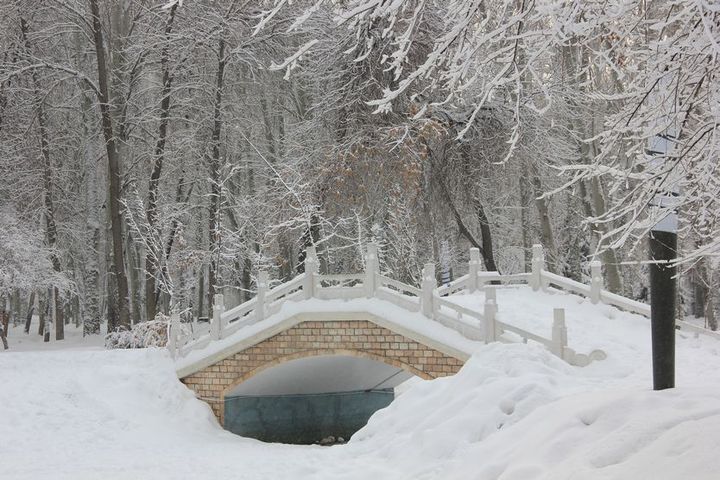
(512, 412)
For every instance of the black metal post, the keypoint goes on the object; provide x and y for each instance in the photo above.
(663, 287)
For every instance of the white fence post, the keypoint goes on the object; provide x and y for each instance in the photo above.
(489, 315)
(559, 333)
(428, 285)
(372, 267)
(491, 294)
(311, 269)
(596, 281)
(474, 268)
(216, 326)
(173, 335)
(262, 284)
(538, 262)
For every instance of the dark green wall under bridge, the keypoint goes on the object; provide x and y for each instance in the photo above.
(303, 418)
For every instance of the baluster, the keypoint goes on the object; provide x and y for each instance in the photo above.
(538, 262)
(473, 269)
(559, 333)
(428, 285)
(262, 284)
(311, 271)
(489, 312)
(173, 335)
(372, 268)
(491, 294)
(216, 327)
(596, 281)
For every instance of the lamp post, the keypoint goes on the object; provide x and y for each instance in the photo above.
(663, 289)
(663, 252)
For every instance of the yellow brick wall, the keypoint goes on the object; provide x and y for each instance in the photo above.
(307, 339)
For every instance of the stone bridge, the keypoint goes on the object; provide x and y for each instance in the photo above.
(365, 315)
(310, 335)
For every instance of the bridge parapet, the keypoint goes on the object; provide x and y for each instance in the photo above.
(429, 300)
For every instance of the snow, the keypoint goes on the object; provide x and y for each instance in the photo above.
(625, 337)
(19, 341)
(513, 412)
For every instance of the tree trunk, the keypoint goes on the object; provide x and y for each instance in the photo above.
(4, 327)
(59, 309)
(525, 223)
(134, 281)
(50, 225)
(215, 188)
(485, 241)
(613, 280)
(50, 315)
(154, 244)
(16, 307)
(246, 279)
(30, 310)
(486, 237)
(311, 236)
(42, 311)
(546, 232)
(710, 320)
(179, 197)
(91, 321)
(201, 292)
(593, 204)
(113, 170)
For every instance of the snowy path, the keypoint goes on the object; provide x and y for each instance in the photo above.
(513, 412)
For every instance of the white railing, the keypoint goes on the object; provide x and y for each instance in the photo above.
(429, 299)
(541, 279)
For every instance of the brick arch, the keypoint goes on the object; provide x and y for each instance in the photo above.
(325, 353)
(360, 338)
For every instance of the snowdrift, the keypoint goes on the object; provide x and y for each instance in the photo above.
(513, 412)
(517, 412)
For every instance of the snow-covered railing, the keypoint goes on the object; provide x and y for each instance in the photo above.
(457, 285)
(549, 279)
(557, 344)
(696, 329)
(429, 299)
(541, 279)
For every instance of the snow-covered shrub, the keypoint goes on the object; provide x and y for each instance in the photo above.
(142, 335)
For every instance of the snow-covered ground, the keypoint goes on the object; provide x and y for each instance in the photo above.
(74, 340)
(513, 412)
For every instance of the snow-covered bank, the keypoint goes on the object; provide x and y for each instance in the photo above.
(513, 412)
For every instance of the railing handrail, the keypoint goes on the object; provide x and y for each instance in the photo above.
(429, 299)
(397, 285)
(285, 288)
(524, 333)
(443, 302)
(239, 311)
(566, 283)
(340, 277)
